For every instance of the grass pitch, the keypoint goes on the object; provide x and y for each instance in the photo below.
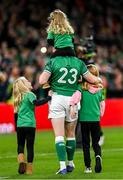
(46, 164)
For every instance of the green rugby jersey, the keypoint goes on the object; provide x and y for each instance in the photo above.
(90, 106)
(26, 116)
(61, 40)
(65, 72)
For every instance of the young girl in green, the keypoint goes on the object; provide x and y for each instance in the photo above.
(60, 34)
(92, 107)
(24, 104)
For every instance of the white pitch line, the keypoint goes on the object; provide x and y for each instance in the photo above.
(4, 177)
(51, 154)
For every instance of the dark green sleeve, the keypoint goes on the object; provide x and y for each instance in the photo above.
(50, 35)
(48, 67)
(84, 69)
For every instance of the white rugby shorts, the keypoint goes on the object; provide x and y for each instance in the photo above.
(59, 107)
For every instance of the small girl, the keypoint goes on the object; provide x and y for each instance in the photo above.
(60, 34)
(92, 107)
(24, 104)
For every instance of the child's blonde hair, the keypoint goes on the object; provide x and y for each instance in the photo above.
(94, 70)
(59, 23)
(19, 89)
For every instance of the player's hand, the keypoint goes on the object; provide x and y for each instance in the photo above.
(46, 85)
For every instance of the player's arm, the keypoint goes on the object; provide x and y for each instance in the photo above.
(44, 77)
(88, 76)
(91, 78)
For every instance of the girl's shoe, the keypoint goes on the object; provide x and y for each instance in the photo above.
(98, 165)
(88, 170)
(22, 168)
(22, 164)
(29, 168)
(70, 168)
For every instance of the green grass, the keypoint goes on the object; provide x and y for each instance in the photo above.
(46, 163)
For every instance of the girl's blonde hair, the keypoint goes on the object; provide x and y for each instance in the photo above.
(94, 70)
(19, 89)
(59, 23)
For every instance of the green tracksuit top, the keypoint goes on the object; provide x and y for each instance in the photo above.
(90, 106)
(61, 40)
(26, 116)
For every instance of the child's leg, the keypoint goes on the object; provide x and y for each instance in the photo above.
(30, 137)
(20, 149)
(95, 133)
(85, 130)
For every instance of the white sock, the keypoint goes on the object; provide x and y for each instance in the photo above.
(62, 165)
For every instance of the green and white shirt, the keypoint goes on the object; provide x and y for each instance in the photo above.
(65, 73)
(61, 40)
(90, 106)
(26, 116)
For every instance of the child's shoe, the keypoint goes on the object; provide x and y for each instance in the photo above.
(88, 170)
(98, 166)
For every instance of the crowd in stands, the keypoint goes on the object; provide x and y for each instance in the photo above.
(23, 34)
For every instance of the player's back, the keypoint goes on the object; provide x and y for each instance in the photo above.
(65, 74)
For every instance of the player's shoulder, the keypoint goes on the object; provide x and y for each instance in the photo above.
(80, 61)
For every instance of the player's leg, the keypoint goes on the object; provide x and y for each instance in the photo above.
(57, 115)
(20, 150)
(70, 127)
(70, 143)
(30, 137)
(58, 127)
